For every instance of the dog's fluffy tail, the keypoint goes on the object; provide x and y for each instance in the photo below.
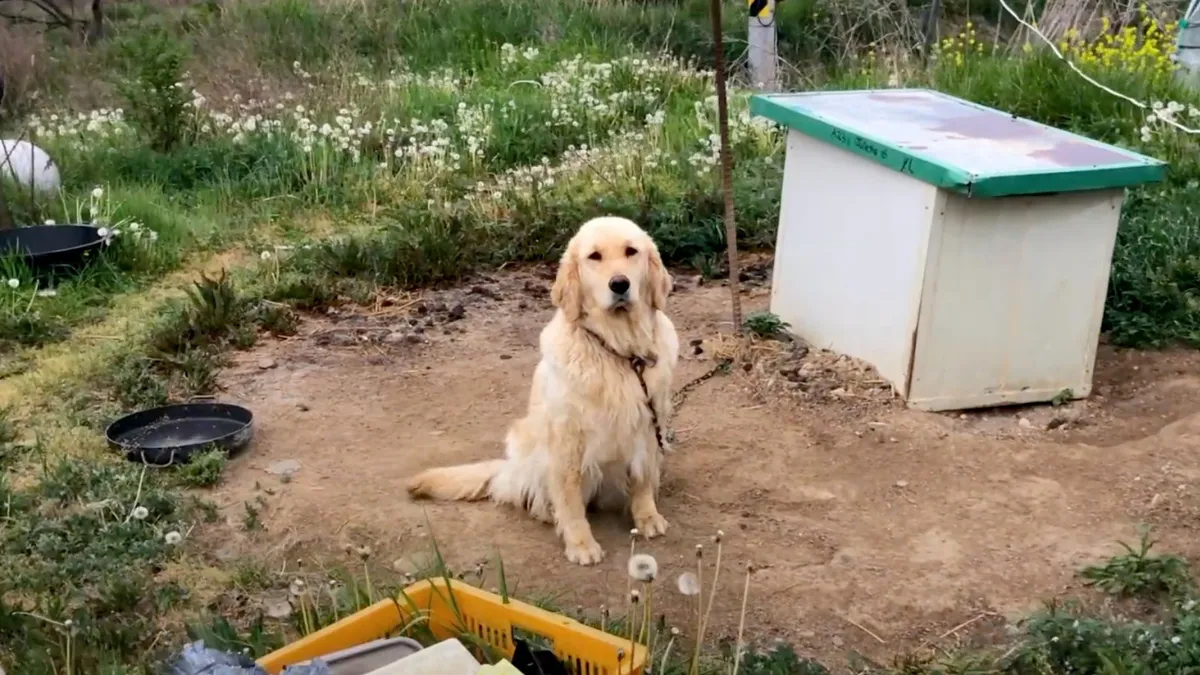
(466, 482)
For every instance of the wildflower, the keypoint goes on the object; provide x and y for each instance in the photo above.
(103, 232)
(635, 596)
(47, 293)
(97, 192)
(14, 283)
(265, 255)
(173, 538)
(296, 588)
(643, 567)
(140, 513)
(363, 552)
(49, 221)
(688, 584)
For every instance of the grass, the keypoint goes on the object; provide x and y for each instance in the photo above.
(322, 151)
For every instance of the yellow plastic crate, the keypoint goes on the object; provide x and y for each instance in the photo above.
(585, 650)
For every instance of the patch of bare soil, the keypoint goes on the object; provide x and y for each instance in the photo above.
(876, 528)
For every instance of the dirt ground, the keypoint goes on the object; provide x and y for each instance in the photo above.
(876, 528)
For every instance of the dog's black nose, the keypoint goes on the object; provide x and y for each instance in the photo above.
(618, 285)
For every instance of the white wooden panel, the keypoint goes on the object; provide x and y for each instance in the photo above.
(850, 254)
(1013, 299)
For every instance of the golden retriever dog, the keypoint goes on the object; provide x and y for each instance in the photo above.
(592, 433)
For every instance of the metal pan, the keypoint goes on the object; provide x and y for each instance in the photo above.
(171, 434)
(49, 247)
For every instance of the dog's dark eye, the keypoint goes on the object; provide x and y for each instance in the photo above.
(630, 251)
(595, 255)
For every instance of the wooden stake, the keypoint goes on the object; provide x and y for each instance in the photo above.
(726, 166)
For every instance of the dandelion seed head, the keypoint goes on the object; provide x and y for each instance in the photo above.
(97, 192)
(13, 283)
(643, 567)
(140, 513)
(688, 584)
(173, 538)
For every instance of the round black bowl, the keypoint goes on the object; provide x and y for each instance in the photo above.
(47, 247)
(171, 434)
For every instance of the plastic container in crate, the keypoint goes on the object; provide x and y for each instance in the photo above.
(456, 610)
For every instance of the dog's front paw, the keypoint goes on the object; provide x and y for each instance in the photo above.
(651, 526)
(585, 552)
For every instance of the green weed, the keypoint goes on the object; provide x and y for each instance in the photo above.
(765, 325)
(1138, 573)
(203, 469)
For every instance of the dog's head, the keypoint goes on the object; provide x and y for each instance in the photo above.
(610, 265)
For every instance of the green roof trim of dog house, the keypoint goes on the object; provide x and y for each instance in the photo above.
(958, 145)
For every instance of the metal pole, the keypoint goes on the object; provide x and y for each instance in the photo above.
(726, 167)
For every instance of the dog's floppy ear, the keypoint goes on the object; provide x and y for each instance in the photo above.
(660, 280)
(567, 293)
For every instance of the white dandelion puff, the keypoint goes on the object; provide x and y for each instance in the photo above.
(688, 584)
(97, 192)
(173, 538)
(643, 567)
(140, 513)
(13, 283)
(265, 255)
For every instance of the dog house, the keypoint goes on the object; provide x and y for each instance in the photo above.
(962, 251)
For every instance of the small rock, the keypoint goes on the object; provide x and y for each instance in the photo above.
(277, 606)
(1056, 423)
(485, 292)
(266, 363)
(522, 305)
(457, 312)
(414, 339)
(303, 407)
(807, 634)
(422, 309)
(395, 338)
(284, 467)
(418, 329)
(439, 307)
(901, 484)
(1024, 423)
(838, 642)
(505, 357)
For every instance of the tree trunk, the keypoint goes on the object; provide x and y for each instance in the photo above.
(95, 29)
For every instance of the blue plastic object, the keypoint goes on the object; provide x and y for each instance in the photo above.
(196, 659)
